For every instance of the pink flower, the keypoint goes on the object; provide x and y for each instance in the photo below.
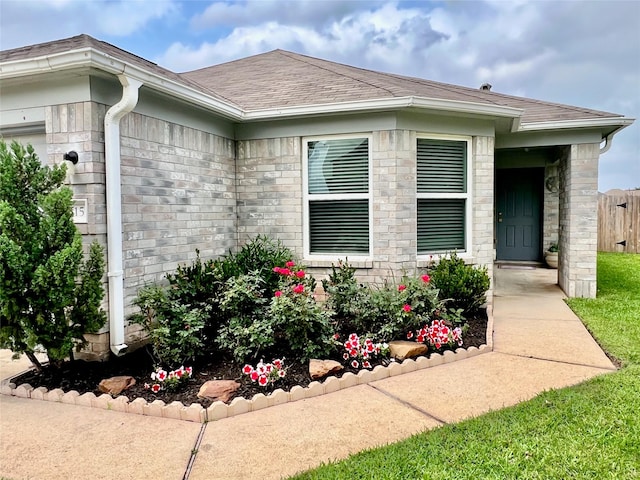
(426, 278)
(179, 373)
(353, 337)
(147, 386)
(247, 369)
(300, 274)
(290, 263)
(276, 269)
(281, 373)
(189, 370)
(284, 271)
(407, 308)
(155, 388)
(277, 363)
(354, 364)
(401, 287)
(336, 336)
(254, 375)
(263, 380)
(298, 288)
(278, 293)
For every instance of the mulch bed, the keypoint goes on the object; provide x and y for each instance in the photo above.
(85, 376)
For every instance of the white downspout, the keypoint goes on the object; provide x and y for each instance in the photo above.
(114, 210)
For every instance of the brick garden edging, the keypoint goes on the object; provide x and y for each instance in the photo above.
(219, 410)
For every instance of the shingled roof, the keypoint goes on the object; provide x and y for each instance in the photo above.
(280, 78)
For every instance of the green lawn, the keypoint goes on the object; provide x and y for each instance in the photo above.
(590, 431)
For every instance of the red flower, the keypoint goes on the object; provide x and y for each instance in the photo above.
(254, 375)
(336, 336)
(366, 364)
(345, 355)
(354, 364)
(284, 271)
(263, 380)
(188, 370)
(410, 335)
(247, 369)
(290, 263)
(298, 288)
(155, 388)
(278, 293)
(300, 274)
(276, 269)
(426, 278)
(162, 375)
(277, 363)
(281, 373)
(353, 353)
(401, 287)
(407, 308)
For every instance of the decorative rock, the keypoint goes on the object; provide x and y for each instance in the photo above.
(402, 349)
(115, 385)
(322, 368)
(218, 390)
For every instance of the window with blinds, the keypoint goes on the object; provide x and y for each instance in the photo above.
(338, 196)
(442, 195)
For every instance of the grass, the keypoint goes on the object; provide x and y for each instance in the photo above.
(589, 431)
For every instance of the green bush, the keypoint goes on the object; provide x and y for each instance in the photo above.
(289, 323)
(461, 286)
(379, 311)
(175, 330)
(49, 295)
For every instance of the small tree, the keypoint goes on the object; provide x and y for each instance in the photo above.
(49, 297)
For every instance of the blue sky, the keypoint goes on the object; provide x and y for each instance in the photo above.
(584, 53)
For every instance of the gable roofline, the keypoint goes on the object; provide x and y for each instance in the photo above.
(86, 53)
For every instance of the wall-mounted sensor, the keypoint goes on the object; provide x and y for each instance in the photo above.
(72, 157)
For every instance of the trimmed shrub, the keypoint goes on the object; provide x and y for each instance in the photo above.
(461, 286)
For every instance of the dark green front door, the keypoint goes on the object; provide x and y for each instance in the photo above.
(519, 213)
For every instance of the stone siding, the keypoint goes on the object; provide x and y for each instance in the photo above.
(578, 233)
(551, 207)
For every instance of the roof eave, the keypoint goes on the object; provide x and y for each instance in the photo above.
(89, 57)
(602, 122)
(381, 104)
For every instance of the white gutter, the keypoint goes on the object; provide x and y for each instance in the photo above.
(584, 123)
(115, 272)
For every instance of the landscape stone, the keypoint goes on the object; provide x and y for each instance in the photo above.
(322, 368)
(218, 390)
(402, 349)
(115, 385)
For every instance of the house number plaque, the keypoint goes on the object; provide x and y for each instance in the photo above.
(80, 211)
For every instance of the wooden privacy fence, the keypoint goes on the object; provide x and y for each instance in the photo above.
(619, 221)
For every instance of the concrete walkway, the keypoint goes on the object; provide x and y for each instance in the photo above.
(538, 345)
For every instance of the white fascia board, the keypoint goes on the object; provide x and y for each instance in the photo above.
(386, 104)
(581, 123)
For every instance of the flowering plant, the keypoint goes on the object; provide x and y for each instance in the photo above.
(169, 381)
(438, 334)
(266, 373)
(360, 353)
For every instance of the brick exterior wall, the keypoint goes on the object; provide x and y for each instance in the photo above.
(551, 207)
(578, 233)
(270, 200)
(178, 194)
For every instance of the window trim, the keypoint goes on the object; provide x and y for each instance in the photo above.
(467, 196)
(307, 197)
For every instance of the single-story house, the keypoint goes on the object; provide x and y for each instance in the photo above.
(335, 161)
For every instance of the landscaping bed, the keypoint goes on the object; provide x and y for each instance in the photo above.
(83, 376)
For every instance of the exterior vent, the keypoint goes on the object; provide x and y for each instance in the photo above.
(485, 86)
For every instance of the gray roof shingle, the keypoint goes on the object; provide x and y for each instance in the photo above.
(279, 79)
